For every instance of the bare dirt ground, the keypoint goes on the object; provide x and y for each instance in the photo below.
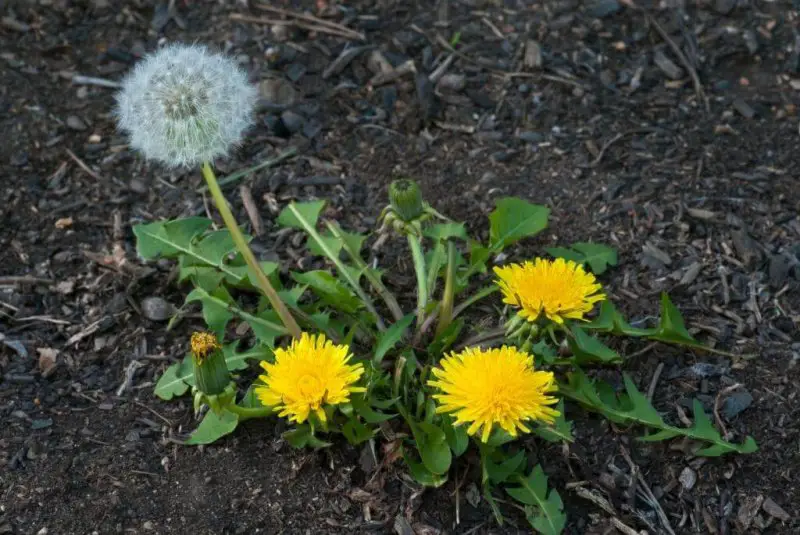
(669, 131)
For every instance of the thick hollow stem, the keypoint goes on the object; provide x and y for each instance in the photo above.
(415, 243)
(247, 413)
(446, 312)
(261, 279)
(387, 296)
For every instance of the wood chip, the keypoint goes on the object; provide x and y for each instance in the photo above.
(666, 65)
(775, 510)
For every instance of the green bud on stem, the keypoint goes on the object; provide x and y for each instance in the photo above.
(405, 198)
(211, 374)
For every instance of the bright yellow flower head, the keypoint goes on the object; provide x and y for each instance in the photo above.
(308, 374)
(560, 289)
(494, 386)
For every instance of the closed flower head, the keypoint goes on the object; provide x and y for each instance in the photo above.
(184, 105)
(493, 388)
(310, 373)
(558, 289)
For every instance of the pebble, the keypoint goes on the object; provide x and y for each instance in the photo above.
(292, 121)
(452, 82)
(157, 309)
(277, 93)
(688, 478)
(75, 123)
(603, 8)
(295, 71)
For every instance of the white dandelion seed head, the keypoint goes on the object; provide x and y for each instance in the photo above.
(184, 105)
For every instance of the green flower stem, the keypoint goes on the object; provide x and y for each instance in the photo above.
(446, 312)
(241, 244)
(436, 258)
(247, 413)
(222, 182)
(312, 232)
(474, 298)
(415, 243)
(387, 296)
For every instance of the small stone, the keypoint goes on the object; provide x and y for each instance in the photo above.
(148, 526)
(480, 98)
(137, 185)
(750, 41)
(724, 7)
(277, 93)
(531, 137)
(292, 121)
(157, 309)
(533, 55)
(666, 65)
(603, 8)
(452, 82)
(744, 108)
(688, 478)
(42, 531)
(775, 510)
(75, 123)
(295, 71)
(736, 403)
(473, 495)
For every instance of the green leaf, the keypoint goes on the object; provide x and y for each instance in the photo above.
(671, 328)
(457, 437)
(546, 511)
(308, 210)
(499, 437)
(363, 408)
(389, 338)
(250, 399)
(559, 431)
(542, 349)
(330, 290)
(422, 475)
(215, 307)
(587, 348)
(514, 219)
(333, 243)
(175, 380)
(213, 427)
(301, 436)
(434, 450)
(596, 255)
(500, 472)
(634, 408)
(444, 231)
(478, 256)
(609, 320)
(447, 338)
(356, 432)
(171, 239)
(487, 495)
(238, 361)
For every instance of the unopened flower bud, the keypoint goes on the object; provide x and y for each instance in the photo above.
(211, 374)
(405, 198)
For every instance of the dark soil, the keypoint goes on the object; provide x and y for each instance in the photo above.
(696, 186)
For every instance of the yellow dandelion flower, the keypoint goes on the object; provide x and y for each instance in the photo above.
(310, 373)
(560, 289)
(484, 388)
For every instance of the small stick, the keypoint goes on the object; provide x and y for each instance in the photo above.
(310, 18)
(24, 279)
(130, 370)
(698, 87)
(83, 166)
(717, 417)
(662, 516)
(299, 24)
(251, 209)
(654, 381)
(80, 79)
(244, 172)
